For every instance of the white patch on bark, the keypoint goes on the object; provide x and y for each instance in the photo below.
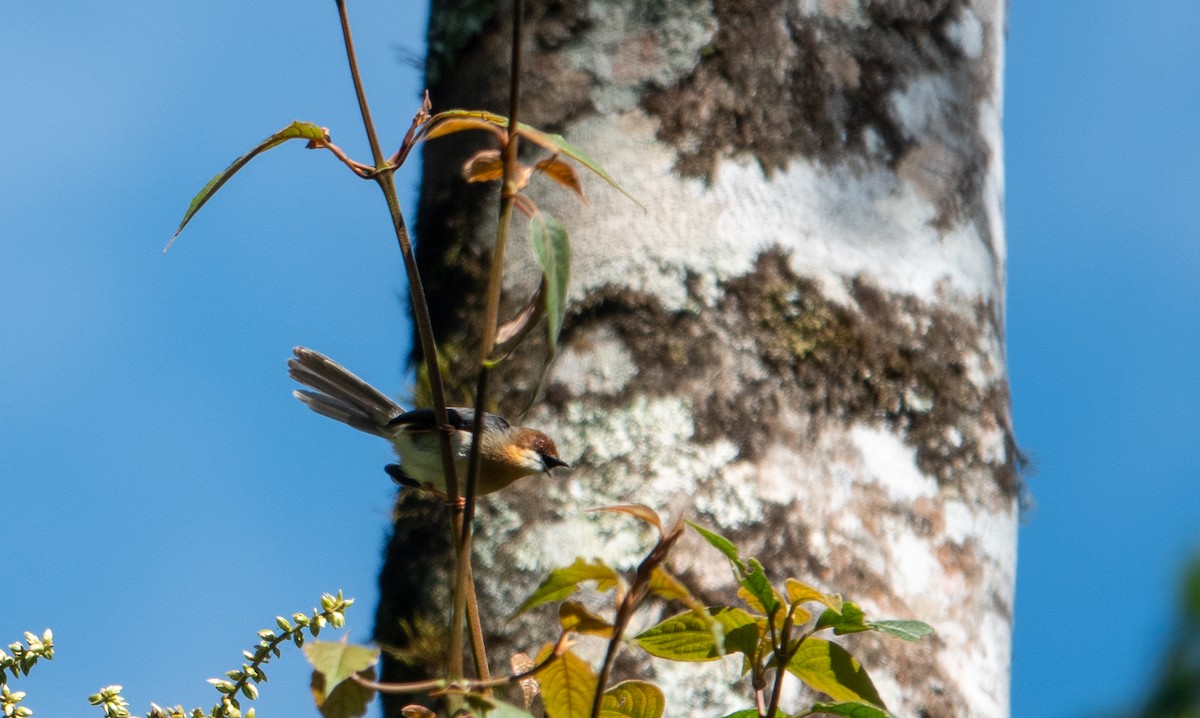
(837, 222)
(603, 367)
(892, 464)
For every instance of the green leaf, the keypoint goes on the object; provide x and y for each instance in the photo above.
(688, 637)
(753, 713)
(633, 699)
(563, 582)
(912, 631)
(347, 700)
(295, 131)
(851, 709)
(664, 585)
(552, 248)
(568, 685)
(338, 661)
(798, 592)
(848, 620)
(757, 585)
(574, 616)
(721, 544)
(492, 708)
(829, 668)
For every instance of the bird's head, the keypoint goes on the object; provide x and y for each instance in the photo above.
(534, 451)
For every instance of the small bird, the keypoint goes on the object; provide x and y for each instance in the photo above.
(508, 453)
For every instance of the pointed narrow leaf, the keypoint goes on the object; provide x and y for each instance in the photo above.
(912, 631)
(563, 582)
(687, 637)
(850, 709)
(574, 616)
(568, 685)
(830, 669)
(295, 131)
(638, 511)
(552, 248)
(753, 713)
(337, 661)
(721, 544)
(556, 143)
(633, 699)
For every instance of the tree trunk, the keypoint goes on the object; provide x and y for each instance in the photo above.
(799, 342)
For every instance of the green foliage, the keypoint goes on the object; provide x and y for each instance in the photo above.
(563, 582)
(242, 683)
(777, 630)
(316, 136)
(633, 699)
(18, 661)
(553, 252)
(338, 661)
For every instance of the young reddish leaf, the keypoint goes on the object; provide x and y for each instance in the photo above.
(633, 699)
(563, 582)
(447, 123)
(798, 592)
(296, 131)
(562, 173)
(417, 711)
(574, 616)
(830, 669)
(912, 631)
(552, 249)
(348, 700)
(687, 637)
(519, 326)
(638, 511)
(568, 685)
(556, 143)
(484, 166)
(337, 661)
(849, 709)
(550, 142)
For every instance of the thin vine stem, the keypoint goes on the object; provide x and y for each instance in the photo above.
(490, 321)
(384, 176)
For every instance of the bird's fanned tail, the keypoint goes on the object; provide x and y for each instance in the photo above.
(339, 394)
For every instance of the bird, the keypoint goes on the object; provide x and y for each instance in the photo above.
(508, 453)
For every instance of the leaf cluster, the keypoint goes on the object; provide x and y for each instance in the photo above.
(18, 661)
(774, 628)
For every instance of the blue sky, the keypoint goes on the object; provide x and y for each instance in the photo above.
(163, 496)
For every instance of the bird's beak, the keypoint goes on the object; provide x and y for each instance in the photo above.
(553, 462)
